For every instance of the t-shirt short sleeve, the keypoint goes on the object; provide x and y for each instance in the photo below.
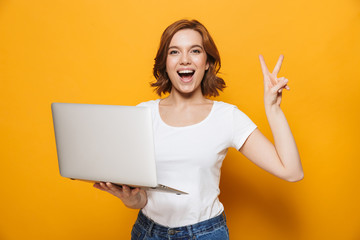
(242, 128)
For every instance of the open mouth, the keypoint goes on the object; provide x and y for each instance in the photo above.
(186, 74)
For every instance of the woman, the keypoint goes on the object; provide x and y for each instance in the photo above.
(192, 135)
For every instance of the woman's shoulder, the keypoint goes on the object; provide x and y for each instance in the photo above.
(150, 103)
(224, 105)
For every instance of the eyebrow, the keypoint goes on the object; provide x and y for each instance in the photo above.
(193, 46)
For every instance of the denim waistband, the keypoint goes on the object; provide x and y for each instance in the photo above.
(151, 227)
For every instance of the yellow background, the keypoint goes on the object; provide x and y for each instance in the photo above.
(102, 52)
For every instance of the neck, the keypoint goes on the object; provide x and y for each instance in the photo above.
(178, 98)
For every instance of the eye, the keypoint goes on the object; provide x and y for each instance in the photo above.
(197, 51)
(173, 52)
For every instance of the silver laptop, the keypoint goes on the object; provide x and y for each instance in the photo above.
(106, 143)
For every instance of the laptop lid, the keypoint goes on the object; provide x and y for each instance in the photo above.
(105, 143)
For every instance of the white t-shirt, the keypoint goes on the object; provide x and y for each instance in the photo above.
(189, 159)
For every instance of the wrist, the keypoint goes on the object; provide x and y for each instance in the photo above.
(272, 109)
(138, 202)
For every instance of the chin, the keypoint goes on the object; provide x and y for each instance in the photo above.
(187, 90)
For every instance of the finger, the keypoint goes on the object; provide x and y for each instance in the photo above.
(280, 80)
(135, 191)
(126, 190)
(263, 65)
(112, 187)
(281, 85)
(284, 79)
(278, 65)
(104, 186)
(273, 80)
(97, 185)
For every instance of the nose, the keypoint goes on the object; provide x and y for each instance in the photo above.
(185, 60)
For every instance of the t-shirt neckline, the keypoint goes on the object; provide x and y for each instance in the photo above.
(183, 127)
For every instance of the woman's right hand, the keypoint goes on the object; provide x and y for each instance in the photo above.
(132, 198)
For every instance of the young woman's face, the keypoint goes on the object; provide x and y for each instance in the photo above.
(186, 61)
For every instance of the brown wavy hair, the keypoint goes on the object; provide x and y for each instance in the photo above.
(211, 84)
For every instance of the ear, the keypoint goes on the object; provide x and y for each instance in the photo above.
(207, 66)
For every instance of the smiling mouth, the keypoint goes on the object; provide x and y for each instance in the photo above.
(186, 74)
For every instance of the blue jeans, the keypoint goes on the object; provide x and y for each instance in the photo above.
(146, 229)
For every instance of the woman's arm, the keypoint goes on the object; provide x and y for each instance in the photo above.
(132, 198)
(283, 159)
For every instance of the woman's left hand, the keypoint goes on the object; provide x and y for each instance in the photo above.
(273, 86)
(283, 159)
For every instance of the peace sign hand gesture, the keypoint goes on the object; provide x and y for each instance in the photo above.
(273, 86)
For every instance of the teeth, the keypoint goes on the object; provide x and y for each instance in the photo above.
(186, 71)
